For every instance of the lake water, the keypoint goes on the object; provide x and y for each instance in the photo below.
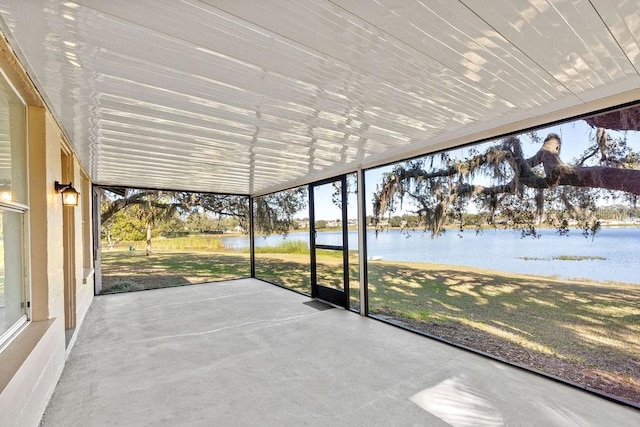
(501, 250)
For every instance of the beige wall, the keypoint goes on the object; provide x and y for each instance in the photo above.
(31, 364)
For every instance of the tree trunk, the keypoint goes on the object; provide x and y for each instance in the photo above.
(148, 249)
(109, 239)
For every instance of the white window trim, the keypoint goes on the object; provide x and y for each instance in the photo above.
(10, 334)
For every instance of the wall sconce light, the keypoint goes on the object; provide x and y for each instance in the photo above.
(69, 194)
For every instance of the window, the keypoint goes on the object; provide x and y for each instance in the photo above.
(13, 209)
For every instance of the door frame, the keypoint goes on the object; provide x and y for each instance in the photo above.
(68, 244)
(333, 296)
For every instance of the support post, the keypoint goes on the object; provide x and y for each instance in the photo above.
(252, 245)
(362, 244)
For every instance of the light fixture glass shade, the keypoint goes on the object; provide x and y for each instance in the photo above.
(70, 197)
(69, 194)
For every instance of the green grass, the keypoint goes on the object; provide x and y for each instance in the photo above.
(553, 325)
(555, 311)
(584, 331)
(123, 271)
(285, 247)
(194, 242)
(296, 247)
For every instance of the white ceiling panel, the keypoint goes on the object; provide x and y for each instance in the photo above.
(254, 95)
(568, 38)
(623, 21)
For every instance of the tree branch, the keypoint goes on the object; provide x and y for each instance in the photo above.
(136, 199)
(434, 190)
(558, 173)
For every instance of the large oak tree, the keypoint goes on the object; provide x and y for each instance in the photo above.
(511, 189)
(273, 213)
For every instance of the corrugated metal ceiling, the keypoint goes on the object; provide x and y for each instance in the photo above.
(246, 96)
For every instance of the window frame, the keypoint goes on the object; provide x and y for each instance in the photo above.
(22, 209)
(7, 336)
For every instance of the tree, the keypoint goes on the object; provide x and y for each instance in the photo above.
(160, 210)
(182, 201)
(216, 205)
(199, 222)
(411, 221)
(156, 208)
(395, 221)
(513, 190)
(123, 225)
(274, 213)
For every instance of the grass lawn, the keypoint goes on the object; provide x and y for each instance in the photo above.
(588, 333)
(124, 270)
(290, 270)
(293, 271)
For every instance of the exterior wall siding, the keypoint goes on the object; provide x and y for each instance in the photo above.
(32, 362)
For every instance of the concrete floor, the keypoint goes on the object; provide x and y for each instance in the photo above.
(246, 353)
